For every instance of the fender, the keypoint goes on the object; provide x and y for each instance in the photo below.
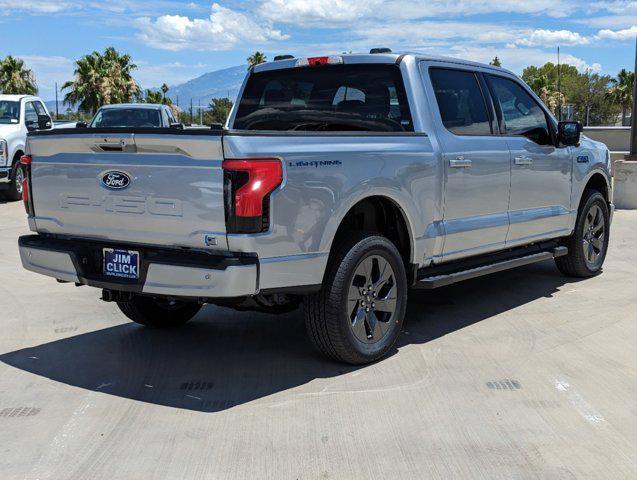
(405, 206)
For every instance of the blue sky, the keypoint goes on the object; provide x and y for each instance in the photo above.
(173, 41)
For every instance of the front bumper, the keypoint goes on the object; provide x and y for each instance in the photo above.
(163, 271)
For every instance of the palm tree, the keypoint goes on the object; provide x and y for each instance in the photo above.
(123, 88)
(102, 79)
(621, 92)
(15, 78)
(164, 90)
(151, 96)
(86, 90)
(256, 58)
(495, 62)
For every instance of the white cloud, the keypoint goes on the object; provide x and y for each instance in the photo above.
(616, 6)
(304, 12)
(222, 30)
(307, 12)
(35, 6)
(626, 34)
(518, 58)
(542, 37)
(407, 34)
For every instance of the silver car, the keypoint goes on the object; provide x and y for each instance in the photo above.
(338, 183)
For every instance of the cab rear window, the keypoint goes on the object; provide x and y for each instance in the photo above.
(367, 98)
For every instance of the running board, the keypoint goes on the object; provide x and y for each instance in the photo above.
(436, 281)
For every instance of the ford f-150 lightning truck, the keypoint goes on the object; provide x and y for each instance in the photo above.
(339, 183)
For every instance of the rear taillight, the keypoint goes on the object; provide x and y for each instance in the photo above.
(27, 197)
(247, 187)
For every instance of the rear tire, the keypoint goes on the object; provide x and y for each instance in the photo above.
(347, 320)
(14, 192)
(588, 245)
(158, 313)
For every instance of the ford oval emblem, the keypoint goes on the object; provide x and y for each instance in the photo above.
(116, 180)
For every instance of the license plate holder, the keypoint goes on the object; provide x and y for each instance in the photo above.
(120, 263)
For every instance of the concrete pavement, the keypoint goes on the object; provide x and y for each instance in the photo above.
(523, 374)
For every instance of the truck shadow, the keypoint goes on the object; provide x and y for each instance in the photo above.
(224, 358)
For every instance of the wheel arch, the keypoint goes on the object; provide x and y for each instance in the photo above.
(597, 180)
(379, 213)
(17, 154)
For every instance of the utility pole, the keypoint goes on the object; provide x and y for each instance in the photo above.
(191, 117)
(625, 171)
(200, 113)
(57, 113)
(559, 86)
(633, 128)
(178, 110)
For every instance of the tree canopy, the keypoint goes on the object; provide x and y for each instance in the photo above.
(256, 58)
(15, 78)
(585, 92)
(101, 79)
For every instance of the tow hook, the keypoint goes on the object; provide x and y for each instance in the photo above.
(116, 296)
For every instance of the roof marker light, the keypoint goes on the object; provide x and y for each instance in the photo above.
(319, 61)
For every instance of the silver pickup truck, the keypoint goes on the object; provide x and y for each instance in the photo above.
(338, 183)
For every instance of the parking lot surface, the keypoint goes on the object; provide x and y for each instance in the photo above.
(522, 374)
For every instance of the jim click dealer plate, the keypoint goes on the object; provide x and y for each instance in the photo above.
(121, 263)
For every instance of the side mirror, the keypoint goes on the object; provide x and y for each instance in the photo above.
(569, 133)
(81, 125)
(44, 122)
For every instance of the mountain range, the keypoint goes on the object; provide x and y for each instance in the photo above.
(217, 84)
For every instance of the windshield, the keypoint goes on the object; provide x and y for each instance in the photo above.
(9, 112)
(368, 98)
(127, 117)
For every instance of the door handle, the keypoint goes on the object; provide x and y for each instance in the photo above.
(523, 161)
(460, 162)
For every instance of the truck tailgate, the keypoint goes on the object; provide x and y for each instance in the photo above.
(148, 188)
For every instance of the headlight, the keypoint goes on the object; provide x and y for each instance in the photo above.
(3, 152)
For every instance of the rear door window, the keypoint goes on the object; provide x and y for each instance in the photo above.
(127, 117)
(368, 98)
(461, 103)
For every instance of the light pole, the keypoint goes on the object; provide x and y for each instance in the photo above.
(625, 171)
(633, 128)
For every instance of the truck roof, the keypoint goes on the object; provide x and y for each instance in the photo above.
(387, 58)
(115, 106)
(16, 98)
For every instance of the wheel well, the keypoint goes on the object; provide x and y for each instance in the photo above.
(598, 182)
(16, 157)
(382, 215)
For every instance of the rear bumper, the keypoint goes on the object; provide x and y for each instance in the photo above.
(171, 272)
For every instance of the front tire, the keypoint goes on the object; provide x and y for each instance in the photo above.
(159, 313)
(14, 192)
(358, 314)
(588, 245)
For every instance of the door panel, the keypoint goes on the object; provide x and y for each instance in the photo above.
(476, 197)
(540, 191)
(540, 173)
(477, 169)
